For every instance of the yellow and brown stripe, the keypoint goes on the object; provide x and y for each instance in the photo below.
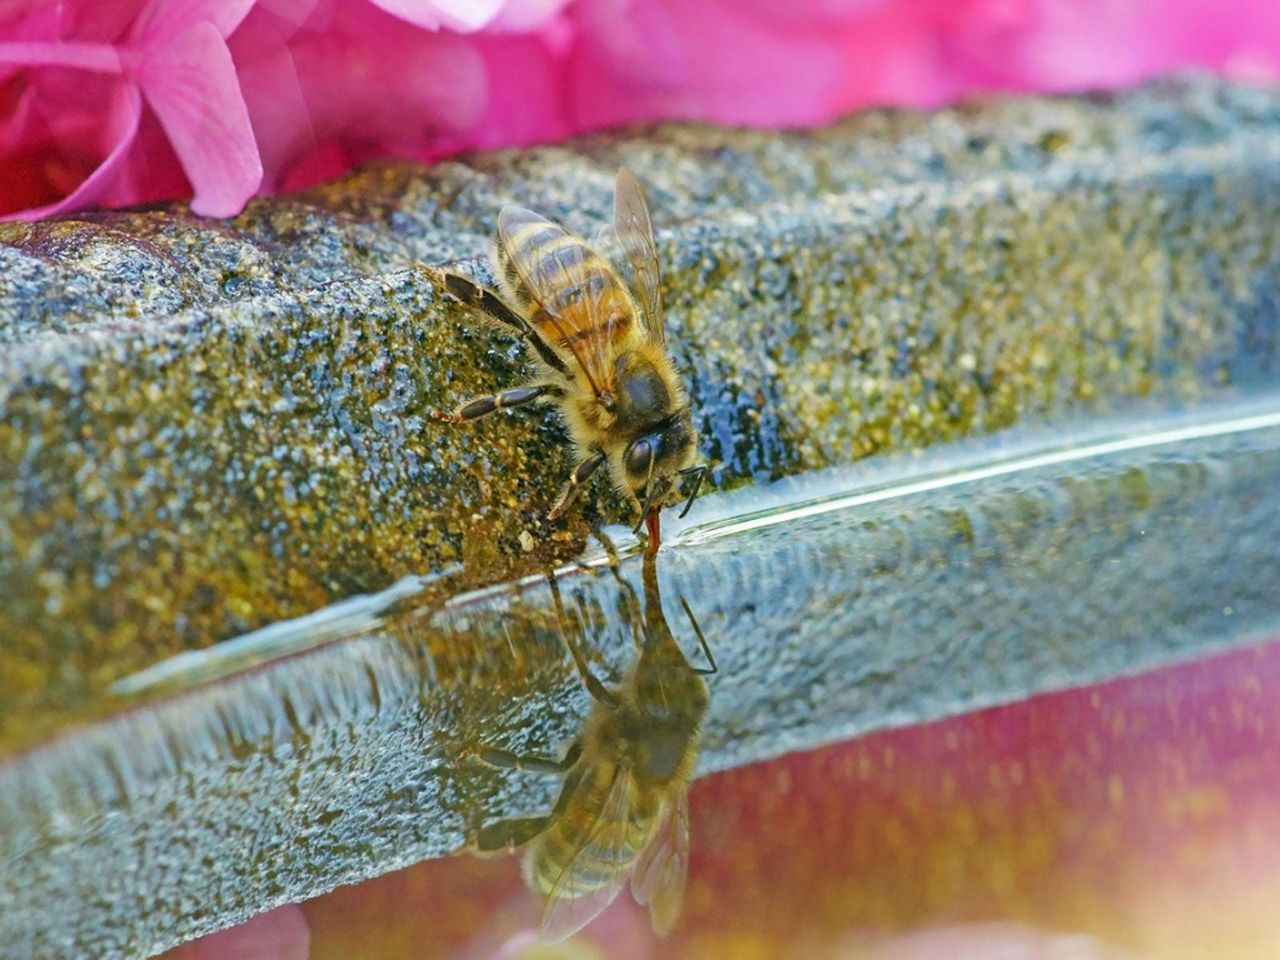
(598, 850)
(569, 292)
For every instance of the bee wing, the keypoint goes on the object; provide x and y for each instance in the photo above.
(635, 236)
(605, 848)
(661, 870)
(546, 276)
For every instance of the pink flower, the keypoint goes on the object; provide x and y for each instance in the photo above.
(347, 83)
(350, 84)
(78, 83)
(115, 101)
(464, 16)
(1074, 45)
(710, 61)
(767, 63)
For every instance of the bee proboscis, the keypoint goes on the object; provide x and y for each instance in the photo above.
(623, 808)
(596, 332)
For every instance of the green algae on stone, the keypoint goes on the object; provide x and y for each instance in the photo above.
(207, 426)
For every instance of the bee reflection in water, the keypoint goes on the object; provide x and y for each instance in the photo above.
(623, 809)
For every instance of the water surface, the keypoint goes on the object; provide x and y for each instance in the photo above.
(858, 603)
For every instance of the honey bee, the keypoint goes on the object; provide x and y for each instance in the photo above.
(623, 808)
(596, 333)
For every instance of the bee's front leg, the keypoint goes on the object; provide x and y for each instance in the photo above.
(509, 834)
(581, 474)
(699, 472)
(497, 757)
(483, 406)
(598, 690)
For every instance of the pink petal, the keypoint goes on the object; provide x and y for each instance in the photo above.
(33, 20)
(704, 61)
(832, 13)
(151, 172)
(103, 21)
(163, 20)
(97, 57)
(21, 118)
(191, 84)
(277, 108)
(296, 11)
(270, 25)
(39, 117)
(461, 15)
(893, 57)
(123, 127)
(374, 88)
(525, 16)
(525, 99)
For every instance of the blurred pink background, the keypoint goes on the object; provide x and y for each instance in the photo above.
(109, 102)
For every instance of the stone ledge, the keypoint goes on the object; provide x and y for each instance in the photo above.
(205, 427)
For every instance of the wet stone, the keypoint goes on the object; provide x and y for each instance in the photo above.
(208, 426)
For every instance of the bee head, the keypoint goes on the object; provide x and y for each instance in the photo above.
(652, 459)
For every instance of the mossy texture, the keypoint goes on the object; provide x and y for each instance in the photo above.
(208, 426)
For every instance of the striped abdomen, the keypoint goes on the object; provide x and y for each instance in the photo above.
(599, 851)
(571, 294)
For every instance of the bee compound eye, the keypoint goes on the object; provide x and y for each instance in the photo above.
(639, 456)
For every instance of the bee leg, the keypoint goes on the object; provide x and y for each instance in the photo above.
(615, 568)
(506, 834)
(483, 406)
(581, 474)
(609, 548)
(700, 472)
(610, 552)
(706, 649)
(629, 599)
(482, 298)
(635, 612)
(496, 757)
(598, 690)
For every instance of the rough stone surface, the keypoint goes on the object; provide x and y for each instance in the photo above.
(207, 426)
(898, 604)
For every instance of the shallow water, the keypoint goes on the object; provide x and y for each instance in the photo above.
(1134, 818)
(913, 621)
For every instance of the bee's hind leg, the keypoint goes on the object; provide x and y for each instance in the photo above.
(483, 406)
(482, 298)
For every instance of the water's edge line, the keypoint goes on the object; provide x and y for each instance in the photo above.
(704, 533)
(331, 624)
